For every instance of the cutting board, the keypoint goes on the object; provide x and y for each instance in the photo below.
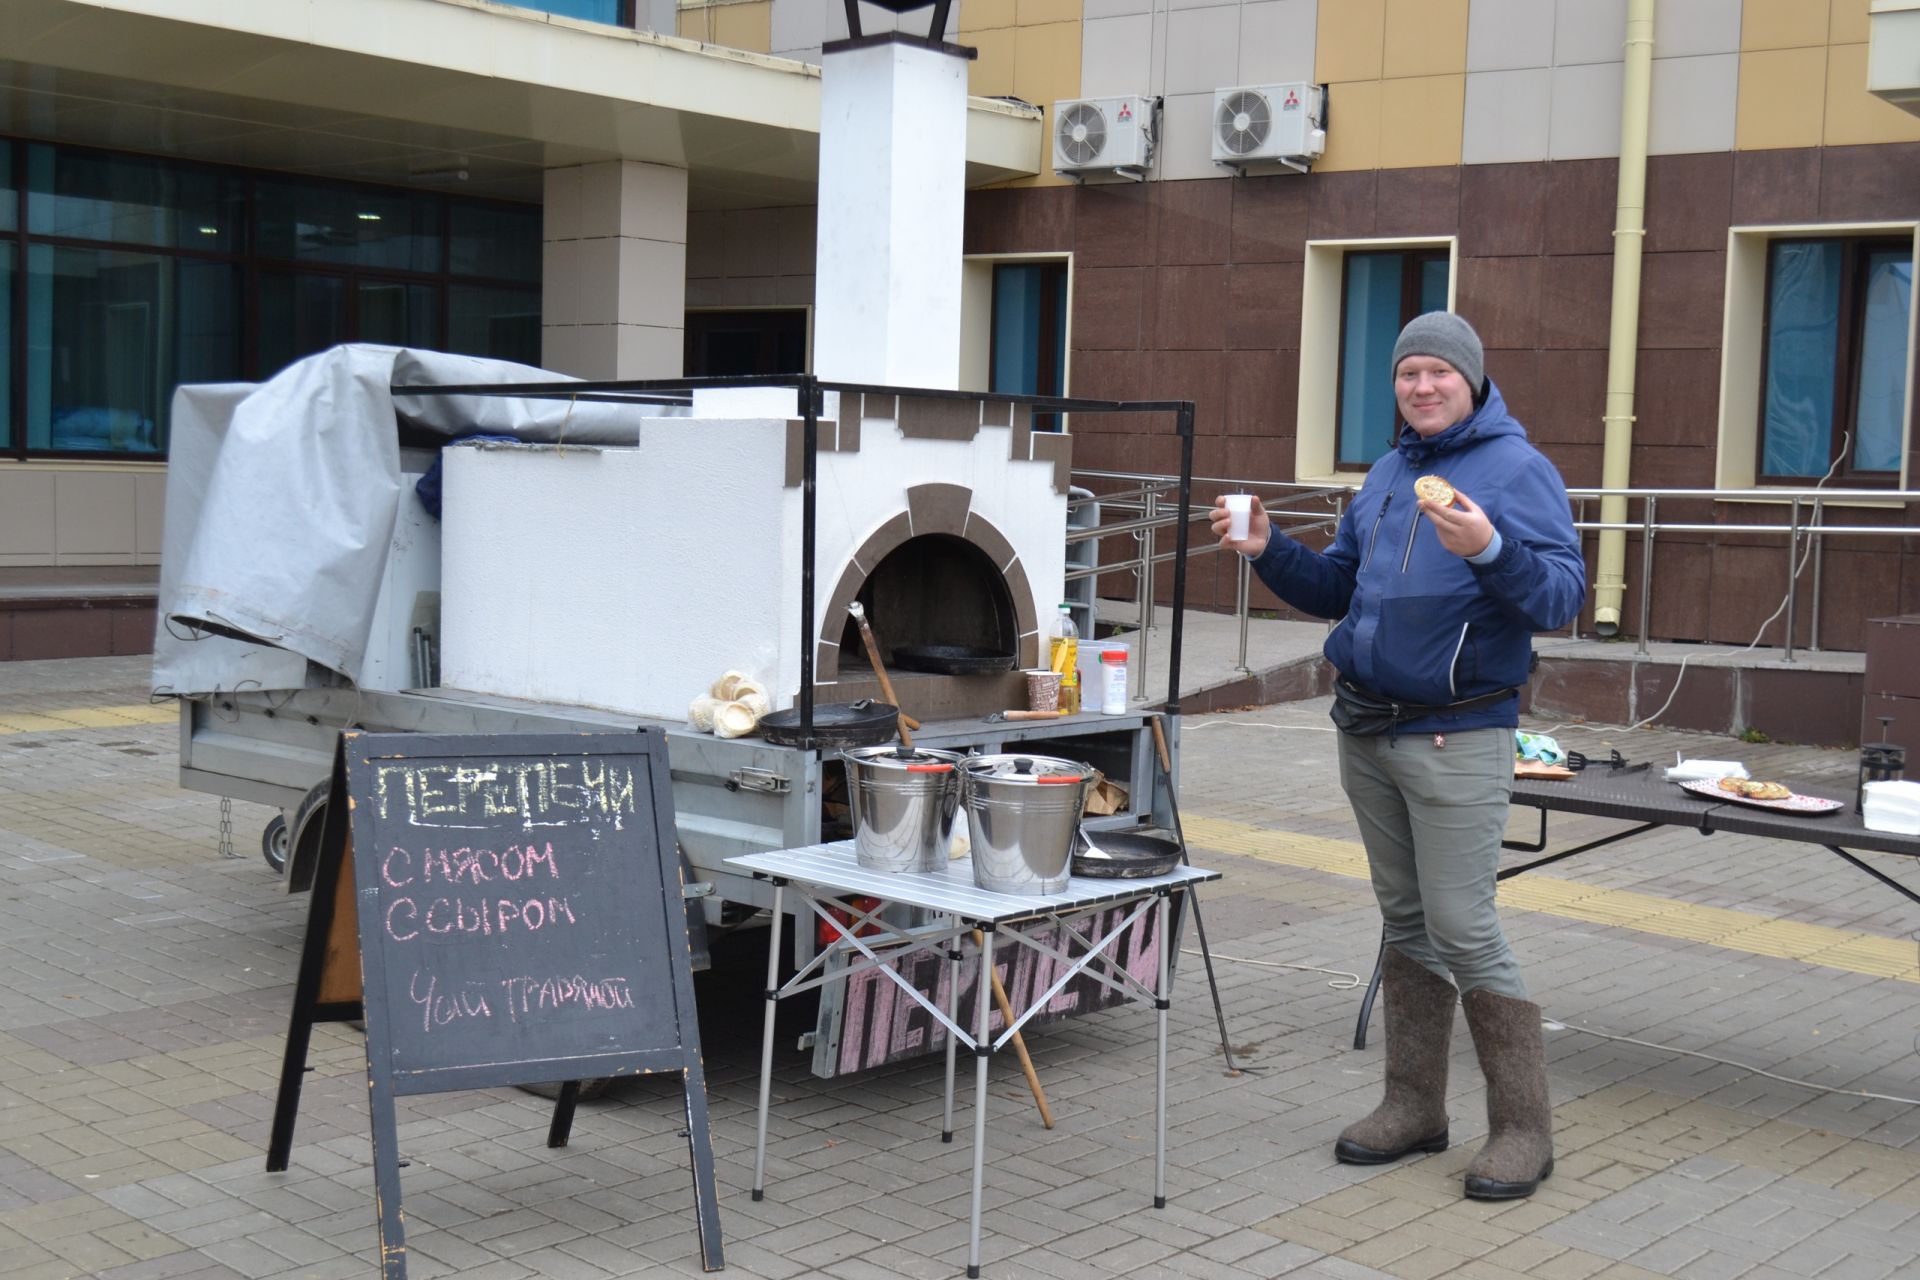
(1535, 769)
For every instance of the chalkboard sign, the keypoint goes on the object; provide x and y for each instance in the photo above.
(520, 921)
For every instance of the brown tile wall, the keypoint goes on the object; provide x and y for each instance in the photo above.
(38, 628)
(1191, 290)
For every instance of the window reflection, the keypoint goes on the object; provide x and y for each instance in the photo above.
(112, 335)
(88, 195)
(129, 275)
(501, 323)
(347, 226)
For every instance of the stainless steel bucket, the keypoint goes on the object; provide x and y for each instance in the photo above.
(903, 802)
(1022, 813)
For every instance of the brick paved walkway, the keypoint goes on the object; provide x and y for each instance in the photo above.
(150, 980)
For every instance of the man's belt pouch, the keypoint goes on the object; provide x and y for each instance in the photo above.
(1365, 714)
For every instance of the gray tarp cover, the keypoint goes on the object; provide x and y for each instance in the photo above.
(281, 500)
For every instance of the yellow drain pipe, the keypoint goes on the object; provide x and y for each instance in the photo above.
(1629, 233)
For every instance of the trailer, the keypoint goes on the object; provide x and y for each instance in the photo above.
(376, 612)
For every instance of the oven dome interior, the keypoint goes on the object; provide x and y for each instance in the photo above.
(936, 589)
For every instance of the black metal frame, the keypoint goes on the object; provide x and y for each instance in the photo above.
(1704, 815)
(811, 392)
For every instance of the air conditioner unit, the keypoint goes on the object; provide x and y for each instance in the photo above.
(1281, 124)
(1104, 135)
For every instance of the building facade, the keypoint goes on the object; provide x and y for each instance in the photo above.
(198, 191)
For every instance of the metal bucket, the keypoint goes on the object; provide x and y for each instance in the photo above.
(903, 802)
(1022, 815)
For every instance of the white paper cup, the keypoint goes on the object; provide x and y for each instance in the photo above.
(1239, 515)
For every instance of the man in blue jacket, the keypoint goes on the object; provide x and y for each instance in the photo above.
(1438, 599)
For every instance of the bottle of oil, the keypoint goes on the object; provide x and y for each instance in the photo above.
(1065, 658)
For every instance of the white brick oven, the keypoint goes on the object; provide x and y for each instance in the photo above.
(629, 578)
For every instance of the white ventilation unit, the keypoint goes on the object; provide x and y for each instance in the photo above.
(1258, 124)
(1104, 135)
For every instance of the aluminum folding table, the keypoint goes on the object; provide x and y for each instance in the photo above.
(827, 878)
(1640, 795)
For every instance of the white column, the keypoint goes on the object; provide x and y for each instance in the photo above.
(893, 145)
(614, 270)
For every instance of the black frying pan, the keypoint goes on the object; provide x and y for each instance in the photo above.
(952, 659)
(1129, 855)
(837, 726)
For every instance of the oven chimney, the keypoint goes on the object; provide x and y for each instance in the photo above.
(892, 197)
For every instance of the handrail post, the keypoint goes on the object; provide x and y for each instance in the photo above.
(1579, 518)
(1339, 514)
(1646, 570)
(1242, 598)
(1819, 554)
(1793, 578)
(1151, 509)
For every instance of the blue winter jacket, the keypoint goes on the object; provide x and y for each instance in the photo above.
(1418, 623)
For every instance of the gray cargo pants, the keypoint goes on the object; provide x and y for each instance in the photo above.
(1432, 818)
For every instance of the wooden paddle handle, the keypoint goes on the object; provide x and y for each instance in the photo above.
(1019, 1044)
(886, 686)
(1160, 745)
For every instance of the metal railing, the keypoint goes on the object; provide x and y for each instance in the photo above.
(1142, 501)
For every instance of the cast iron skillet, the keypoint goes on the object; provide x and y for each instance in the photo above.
(952, 659)
(1131, 855)
(836, 726)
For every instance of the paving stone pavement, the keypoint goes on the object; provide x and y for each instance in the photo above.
(141, 1030)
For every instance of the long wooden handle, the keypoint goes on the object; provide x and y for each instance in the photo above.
(1031, 715)
(886, 686)
(1019, 1044)
(1160, 745)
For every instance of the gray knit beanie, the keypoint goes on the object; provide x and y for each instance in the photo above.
(1446, 336)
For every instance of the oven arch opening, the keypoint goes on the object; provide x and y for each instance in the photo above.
(936, 589)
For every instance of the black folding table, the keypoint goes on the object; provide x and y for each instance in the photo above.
(1641, 796)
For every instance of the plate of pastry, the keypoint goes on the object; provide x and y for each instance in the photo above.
(1762, 795)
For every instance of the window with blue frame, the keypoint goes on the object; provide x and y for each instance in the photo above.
(616, 12)
(1379, 293)
(1834, 359)
(124, 276)
(1029, 347)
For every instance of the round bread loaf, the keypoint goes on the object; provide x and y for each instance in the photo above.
(1434, 489)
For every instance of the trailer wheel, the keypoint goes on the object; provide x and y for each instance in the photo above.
(304, 848)
(275, 840)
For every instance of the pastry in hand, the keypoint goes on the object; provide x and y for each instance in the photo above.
(1434, 489)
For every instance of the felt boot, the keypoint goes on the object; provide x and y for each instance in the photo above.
(1519, 1149)
(1419, 1024)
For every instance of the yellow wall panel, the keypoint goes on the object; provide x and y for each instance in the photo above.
(1034, 13)
(985, 15)
(1420, 121)
(1353, 135)
(744, 26)
(1783, 24)
(991, 74)
(1046, 62)
(1778, 92)
(1848, 24)
(1855, 116)
(1425, 38)
(1349, 40)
